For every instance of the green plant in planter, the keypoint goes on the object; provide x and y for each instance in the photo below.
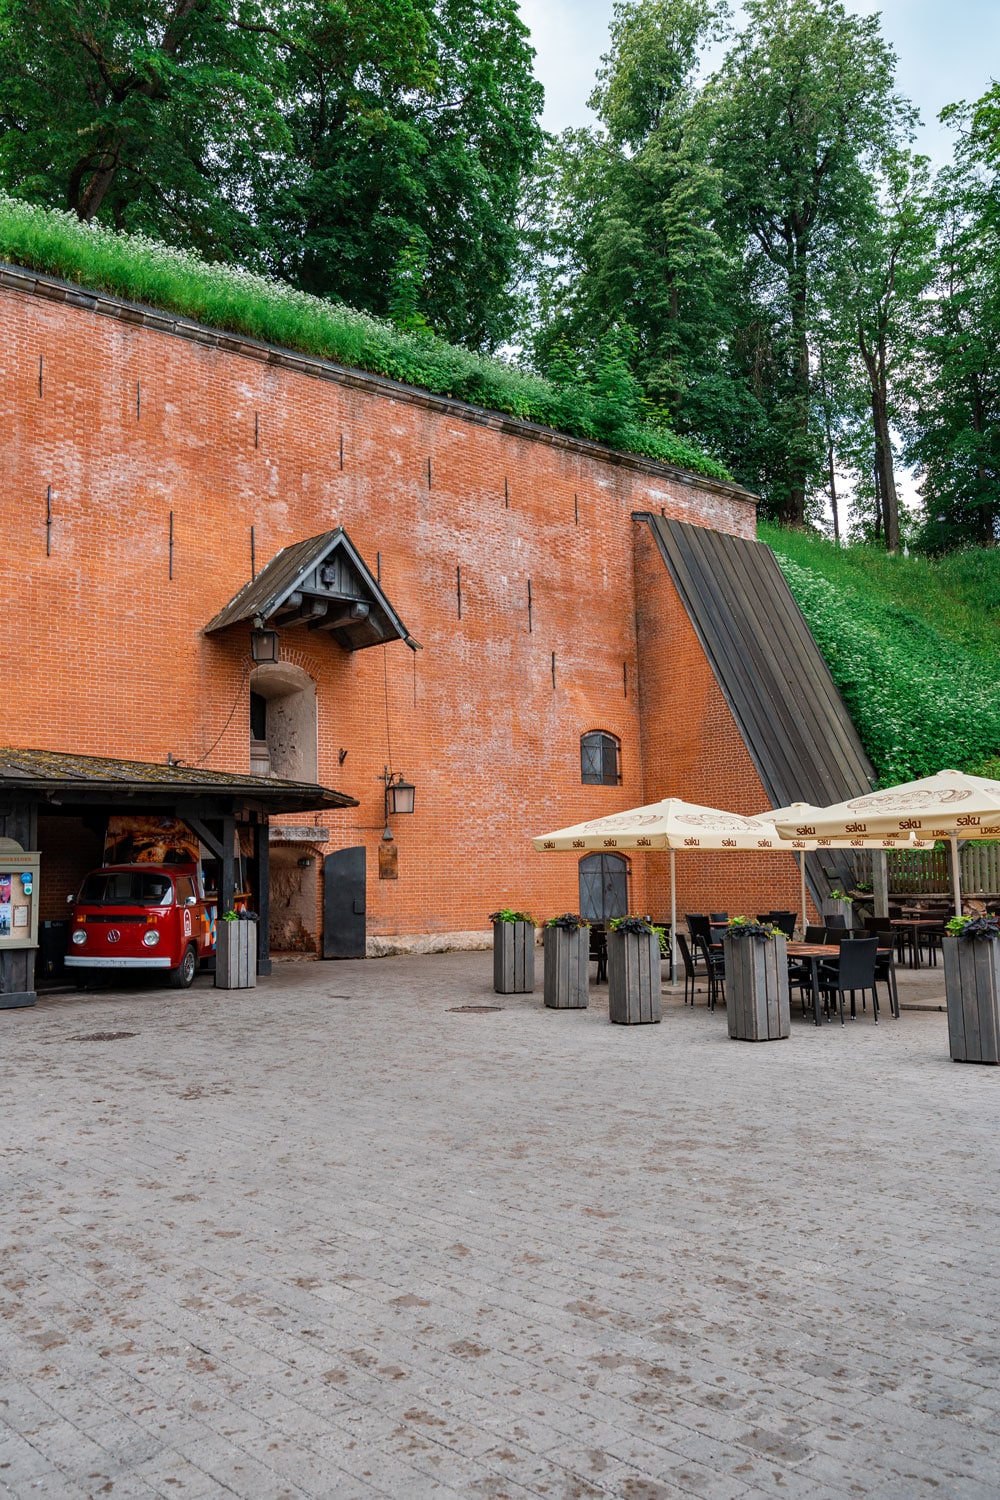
(638, 925)
(569, 921)
(837, 895)
(743, 927)
(239, 916)
(974, 929)
(507, 914)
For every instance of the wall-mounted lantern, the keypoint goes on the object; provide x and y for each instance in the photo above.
(399, 797)
(263, 645)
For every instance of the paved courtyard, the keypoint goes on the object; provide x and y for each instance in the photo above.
(329, 1238)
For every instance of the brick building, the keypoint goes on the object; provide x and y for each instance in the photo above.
(495, 602)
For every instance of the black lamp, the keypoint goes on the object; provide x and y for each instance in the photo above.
(263, 645)
(399, 795)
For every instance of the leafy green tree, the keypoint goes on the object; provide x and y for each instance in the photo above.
(153, 115)
(418, 127)
(804, 111)
(872, 290)
(953, 422)
(320, 139)
(627, 238)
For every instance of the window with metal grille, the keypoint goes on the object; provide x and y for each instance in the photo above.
(600, 759)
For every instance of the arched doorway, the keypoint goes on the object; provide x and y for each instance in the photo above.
(283, 736)
(603, 887)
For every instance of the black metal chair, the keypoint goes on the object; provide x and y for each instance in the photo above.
(784, 921)
(715, 963)
(835, 920)
(718, 916)
(698, 926)
(815, 935)
(885, 967)
(687, 958)
(855, 970)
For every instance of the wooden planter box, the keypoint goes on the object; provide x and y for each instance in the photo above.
(757, 1006)
(567, 968)
(843, 909)
(513, 958)
(972, 984)
(235, 955)
(633, 978)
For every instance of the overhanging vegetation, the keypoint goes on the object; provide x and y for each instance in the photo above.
(143, 270)
(912, 643)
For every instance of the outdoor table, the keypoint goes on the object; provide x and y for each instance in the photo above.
(814, 953)
(913, 926)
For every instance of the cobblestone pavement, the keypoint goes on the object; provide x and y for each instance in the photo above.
(328, 1238)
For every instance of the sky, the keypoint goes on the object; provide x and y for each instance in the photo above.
(946, 50)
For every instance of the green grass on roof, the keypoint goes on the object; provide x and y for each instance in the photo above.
(144, 270)
(912, 643)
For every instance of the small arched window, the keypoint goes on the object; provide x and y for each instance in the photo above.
(600, 759)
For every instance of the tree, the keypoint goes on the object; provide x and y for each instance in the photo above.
(803, 111)
(953, 420)
(415, 129)
(873, 283)
(152, 115)
(627, 238)
(333, 142)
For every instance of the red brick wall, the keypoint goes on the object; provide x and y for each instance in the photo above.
(693, 749)
(108, 655)
(69, 850)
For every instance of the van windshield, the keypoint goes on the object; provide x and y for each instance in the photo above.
(126, 888)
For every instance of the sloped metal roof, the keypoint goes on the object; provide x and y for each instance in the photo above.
(49, 770)
(296, 567)
(772, 674)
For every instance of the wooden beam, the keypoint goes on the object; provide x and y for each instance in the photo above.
(208, 838)
(262, 893)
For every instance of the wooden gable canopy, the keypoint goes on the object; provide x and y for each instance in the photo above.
(321, 584)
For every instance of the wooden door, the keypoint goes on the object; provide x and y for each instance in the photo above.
(603, 887)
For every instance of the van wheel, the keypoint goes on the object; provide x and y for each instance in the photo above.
(183, 976)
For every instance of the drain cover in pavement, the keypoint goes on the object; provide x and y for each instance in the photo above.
(472, 1010)
(103, 1036)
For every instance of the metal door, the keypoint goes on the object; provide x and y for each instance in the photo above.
(603, 887)
(344, 904)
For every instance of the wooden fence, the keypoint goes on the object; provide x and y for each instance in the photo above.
(919, 871)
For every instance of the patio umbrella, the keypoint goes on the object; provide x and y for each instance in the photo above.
(670, 825)
(802, 814)
(950, 805)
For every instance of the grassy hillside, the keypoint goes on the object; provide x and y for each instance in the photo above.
(913, 644)
(142, 270)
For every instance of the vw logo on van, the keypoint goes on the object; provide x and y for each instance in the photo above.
(113, 934)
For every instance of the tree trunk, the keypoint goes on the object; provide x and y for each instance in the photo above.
(884, 468)
(798, 458)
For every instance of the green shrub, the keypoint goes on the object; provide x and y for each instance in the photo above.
(144, 270)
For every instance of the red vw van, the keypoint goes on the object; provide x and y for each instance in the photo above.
(141, 916)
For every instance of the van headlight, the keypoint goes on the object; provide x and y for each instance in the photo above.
(79, 936)
(151, 937)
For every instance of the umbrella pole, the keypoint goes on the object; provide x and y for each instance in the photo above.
(802, 888)
(673, 920)
(956, 876)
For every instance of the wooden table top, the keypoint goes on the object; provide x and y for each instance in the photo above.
(813, 950)
(915, 921)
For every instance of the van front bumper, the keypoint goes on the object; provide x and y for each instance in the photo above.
(72, 961)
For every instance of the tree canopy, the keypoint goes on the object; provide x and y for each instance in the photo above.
(361, 150)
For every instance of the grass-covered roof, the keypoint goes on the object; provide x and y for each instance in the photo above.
(227, 298)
